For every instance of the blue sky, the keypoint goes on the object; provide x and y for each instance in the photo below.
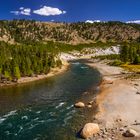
(71, 10)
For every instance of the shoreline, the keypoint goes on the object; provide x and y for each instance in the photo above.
(53, 72)
(118, 101)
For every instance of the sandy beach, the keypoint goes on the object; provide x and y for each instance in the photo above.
(118, 102)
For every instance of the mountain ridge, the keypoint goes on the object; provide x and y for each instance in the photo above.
(26, 31)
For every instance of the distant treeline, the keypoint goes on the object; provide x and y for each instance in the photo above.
(130, 53)
(26, 60)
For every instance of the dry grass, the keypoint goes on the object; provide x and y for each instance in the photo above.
(132, 68)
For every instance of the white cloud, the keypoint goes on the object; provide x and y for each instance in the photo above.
(15, 12)
(48, 11)
(22, 11)
(92, 21)
(64, 12)
(21, 8)
(26, 11)
(134, 21)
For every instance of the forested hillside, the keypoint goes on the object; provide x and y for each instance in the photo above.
(25, 31)
(26, 60)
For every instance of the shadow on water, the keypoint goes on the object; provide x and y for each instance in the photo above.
(44, 109)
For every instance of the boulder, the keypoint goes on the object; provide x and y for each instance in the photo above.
(89, 130)
(79, 105)
(89, 106)
(130, 133)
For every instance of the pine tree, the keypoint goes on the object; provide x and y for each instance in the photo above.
(137, 59)
(124, 53)
(17, 72)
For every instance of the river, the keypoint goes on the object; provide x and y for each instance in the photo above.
(43, 110)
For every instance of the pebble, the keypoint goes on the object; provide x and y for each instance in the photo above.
(136, 84)
(122, 129)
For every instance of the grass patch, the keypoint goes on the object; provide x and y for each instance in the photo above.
(132, 68)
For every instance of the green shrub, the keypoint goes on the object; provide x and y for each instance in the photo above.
(116, 63)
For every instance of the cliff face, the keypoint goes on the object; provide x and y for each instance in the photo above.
(22, 31)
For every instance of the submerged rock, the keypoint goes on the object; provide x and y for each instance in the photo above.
(79, 105)
(89, 130)
(130, 133)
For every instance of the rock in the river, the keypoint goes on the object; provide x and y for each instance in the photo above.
(130, 133)
(89, 130)
(79, 105)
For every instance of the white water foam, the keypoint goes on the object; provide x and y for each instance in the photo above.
(60, 104)
(69, 107)
(38, 112)
(52, 113)
(41, 121)
(11, 113)
(84, 67)
(35, 119)
(2, 119)
(66, 120)
(32, 126)
(51, 120)
(29, 109)
(75, 63)
(24, 117)
(20, 129)
(36, 138)
(7, 133)
(70, 113)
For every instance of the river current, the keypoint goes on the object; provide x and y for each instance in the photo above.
(43, 110)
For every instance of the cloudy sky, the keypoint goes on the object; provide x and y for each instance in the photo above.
(71, 10)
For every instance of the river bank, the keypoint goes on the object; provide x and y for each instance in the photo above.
(53, 72)
(118, 102)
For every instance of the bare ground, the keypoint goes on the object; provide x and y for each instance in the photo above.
(118, 103)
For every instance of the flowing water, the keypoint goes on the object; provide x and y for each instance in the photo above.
(43, 110)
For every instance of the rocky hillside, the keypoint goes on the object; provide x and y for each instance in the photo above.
(24, 31)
